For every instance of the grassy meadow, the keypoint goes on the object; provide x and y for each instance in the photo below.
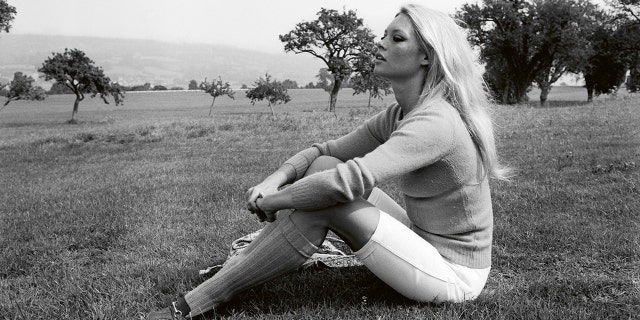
(111, 217)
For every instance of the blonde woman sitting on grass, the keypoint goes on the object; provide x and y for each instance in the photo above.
(437, 138)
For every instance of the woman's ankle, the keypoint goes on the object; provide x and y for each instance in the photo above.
(182, 306)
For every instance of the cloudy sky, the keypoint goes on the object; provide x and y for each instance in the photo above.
(249, 24)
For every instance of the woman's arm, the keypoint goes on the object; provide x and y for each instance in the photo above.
(266, 207)
(270, 184)
(419, 141)
(354, 144)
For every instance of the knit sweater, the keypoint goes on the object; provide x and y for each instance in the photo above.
(445, 188)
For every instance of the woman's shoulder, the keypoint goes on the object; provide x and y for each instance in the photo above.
(393, 110)
(435, 105)
(388, 116)
(435, 108)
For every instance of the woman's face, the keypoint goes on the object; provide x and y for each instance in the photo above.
(399, 54)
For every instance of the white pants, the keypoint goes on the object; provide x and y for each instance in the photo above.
(412, 266)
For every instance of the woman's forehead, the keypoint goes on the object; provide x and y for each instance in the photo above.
(401, 22)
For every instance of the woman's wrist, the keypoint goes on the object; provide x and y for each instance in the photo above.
(275, 201)
(258, 204)
(289, 172)
(264, 205)
(278, 178)
(269, 203)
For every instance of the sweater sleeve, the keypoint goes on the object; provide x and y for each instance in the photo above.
(421, 139)
(366, 137)
(297, 165)
(357, 143)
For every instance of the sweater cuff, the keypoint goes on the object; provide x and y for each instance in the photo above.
(302, 160)
(289, 171)
(304, 198)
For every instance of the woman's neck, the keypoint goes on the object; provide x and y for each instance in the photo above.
(408, 93)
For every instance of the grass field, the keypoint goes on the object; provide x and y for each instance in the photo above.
(111, 217)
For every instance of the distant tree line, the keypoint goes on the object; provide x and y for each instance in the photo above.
(58, 88)
(148, 87)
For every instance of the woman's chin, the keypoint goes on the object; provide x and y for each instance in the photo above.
(379, 72)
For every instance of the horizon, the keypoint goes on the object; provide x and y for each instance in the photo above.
(304, 70)
(239, 24)
(137, 61)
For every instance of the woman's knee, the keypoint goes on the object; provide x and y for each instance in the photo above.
(353, 221)
(322, 163)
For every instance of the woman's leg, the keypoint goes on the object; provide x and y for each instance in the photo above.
(285, 245)
(414, 268)
(279, 248)
(385, 203)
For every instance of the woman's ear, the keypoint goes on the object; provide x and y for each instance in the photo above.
(425, 61)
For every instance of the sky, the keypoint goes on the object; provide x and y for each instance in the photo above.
(252, 24)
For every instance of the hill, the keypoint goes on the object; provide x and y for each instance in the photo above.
(132, 62)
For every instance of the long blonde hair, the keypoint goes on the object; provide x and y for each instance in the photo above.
(455, 76)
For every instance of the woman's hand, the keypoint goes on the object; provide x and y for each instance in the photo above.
(264, 214)
(267, 187)
(256, 193)
(261, 190)
(266, 207)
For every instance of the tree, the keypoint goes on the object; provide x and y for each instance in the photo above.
(193, 85)
(271, 90)
(568, 26)
(159, 87)
(629, 32)
(615, 50)
(7, 14)
(325, 80)
(365, 80)
(21, 88)
(630, 8)
(633, 81)
(498, 28)
(335, 38)
(607, 67)
(144, 87)
(75, 70)
(58, 88)
(290, 84)
(522, 41)
(216, 89)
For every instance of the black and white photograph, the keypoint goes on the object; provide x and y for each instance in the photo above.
(329, 159)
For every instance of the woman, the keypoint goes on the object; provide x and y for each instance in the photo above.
(437, 138)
